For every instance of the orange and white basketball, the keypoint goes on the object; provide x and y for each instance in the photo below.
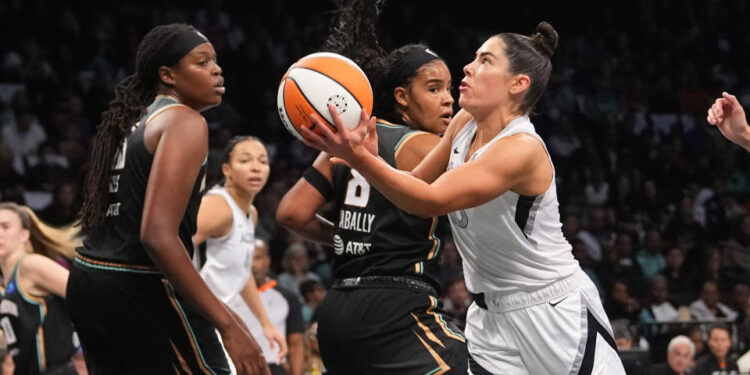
(317, 80)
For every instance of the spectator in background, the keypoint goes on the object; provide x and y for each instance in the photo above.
(650, 259)
(741, 304)
(285, 312)
(626, 266)
(23, 137)
(46, 168)
(624, 336)
(450, 262)
(658, 308)
(9, 177)
(713, 270)
(564, 141)
(313, 362)
(708, 307)
(651, 206)
(296, 269)
(582, 255)
(600, 224)
(684, 229)
(680, 282)
(573, 232)
(718, 358)
(65, 206)
(679, 357)
(457, 301)
(597, 190)
(699, 341)
(622, 198)
(621, 305)
(312, 292)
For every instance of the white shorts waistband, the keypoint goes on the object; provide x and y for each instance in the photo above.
(499, 302)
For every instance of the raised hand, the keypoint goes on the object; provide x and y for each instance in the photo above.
(728, 115)
(346, 145)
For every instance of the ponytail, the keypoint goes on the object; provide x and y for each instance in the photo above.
(45, 240)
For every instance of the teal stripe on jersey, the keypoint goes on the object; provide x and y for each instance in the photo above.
(192, 334)
(112, 268)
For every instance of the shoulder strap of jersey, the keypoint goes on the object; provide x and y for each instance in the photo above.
(390, 138)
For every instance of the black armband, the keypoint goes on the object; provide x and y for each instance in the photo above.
(318, 181)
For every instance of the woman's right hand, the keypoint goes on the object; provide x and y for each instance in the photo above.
(728, 115)
(244, 352)
(347, 146)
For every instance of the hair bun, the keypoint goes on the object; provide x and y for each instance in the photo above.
(545, 38)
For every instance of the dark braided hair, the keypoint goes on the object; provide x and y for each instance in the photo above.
(353, 34)
(132, 96)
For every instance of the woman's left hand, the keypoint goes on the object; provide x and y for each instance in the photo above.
(273, 335)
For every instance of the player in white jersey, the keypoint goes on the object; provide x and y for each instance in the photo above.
(535, 311)
(226, 222)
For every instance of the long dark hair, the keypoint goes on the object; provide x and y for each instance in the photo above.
(132, 95)
(353, 34)
(531, 55)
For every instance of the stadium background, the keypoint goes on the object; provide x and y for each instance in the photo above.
(624, 118)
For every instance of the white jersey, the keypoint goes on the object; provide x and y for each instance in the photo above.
(512, 243)
(229, 258)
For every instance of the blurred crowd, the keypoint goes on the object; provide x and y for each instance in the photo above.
(653, 200)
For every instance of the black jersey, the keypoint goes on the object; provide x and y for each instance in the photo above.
(38, 329)
(119, 240)
(373, 237)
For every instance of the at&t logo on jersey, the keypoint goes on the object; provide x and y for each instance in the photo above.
(338, 245)
(351, 247)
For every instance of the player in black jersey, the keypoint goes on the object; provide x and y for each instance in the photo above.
(382, 315)
(135, 298)
(33, 316)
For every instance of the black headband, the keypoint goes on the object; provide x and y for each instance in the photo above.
(403, 69)
(181, 45)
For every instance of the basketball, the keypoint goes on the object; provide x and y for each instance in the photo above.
(315, 81)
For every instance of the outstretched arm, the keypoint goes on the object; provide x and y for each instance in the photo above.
(728, 115)
(513, 162)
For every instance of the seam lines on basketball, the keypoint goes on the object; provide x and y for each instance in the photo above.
(286, 112)
(334, 80)
(308, 100)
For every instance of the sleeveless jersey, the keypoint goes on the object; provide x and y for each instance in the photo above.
(375, 238)
(119, 238)
(229, 258)
(512, 243)
(38, 329)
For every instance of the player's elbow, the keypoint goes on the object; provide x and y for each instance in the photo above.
(425, 208)
(289, 217)
(152, 237)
